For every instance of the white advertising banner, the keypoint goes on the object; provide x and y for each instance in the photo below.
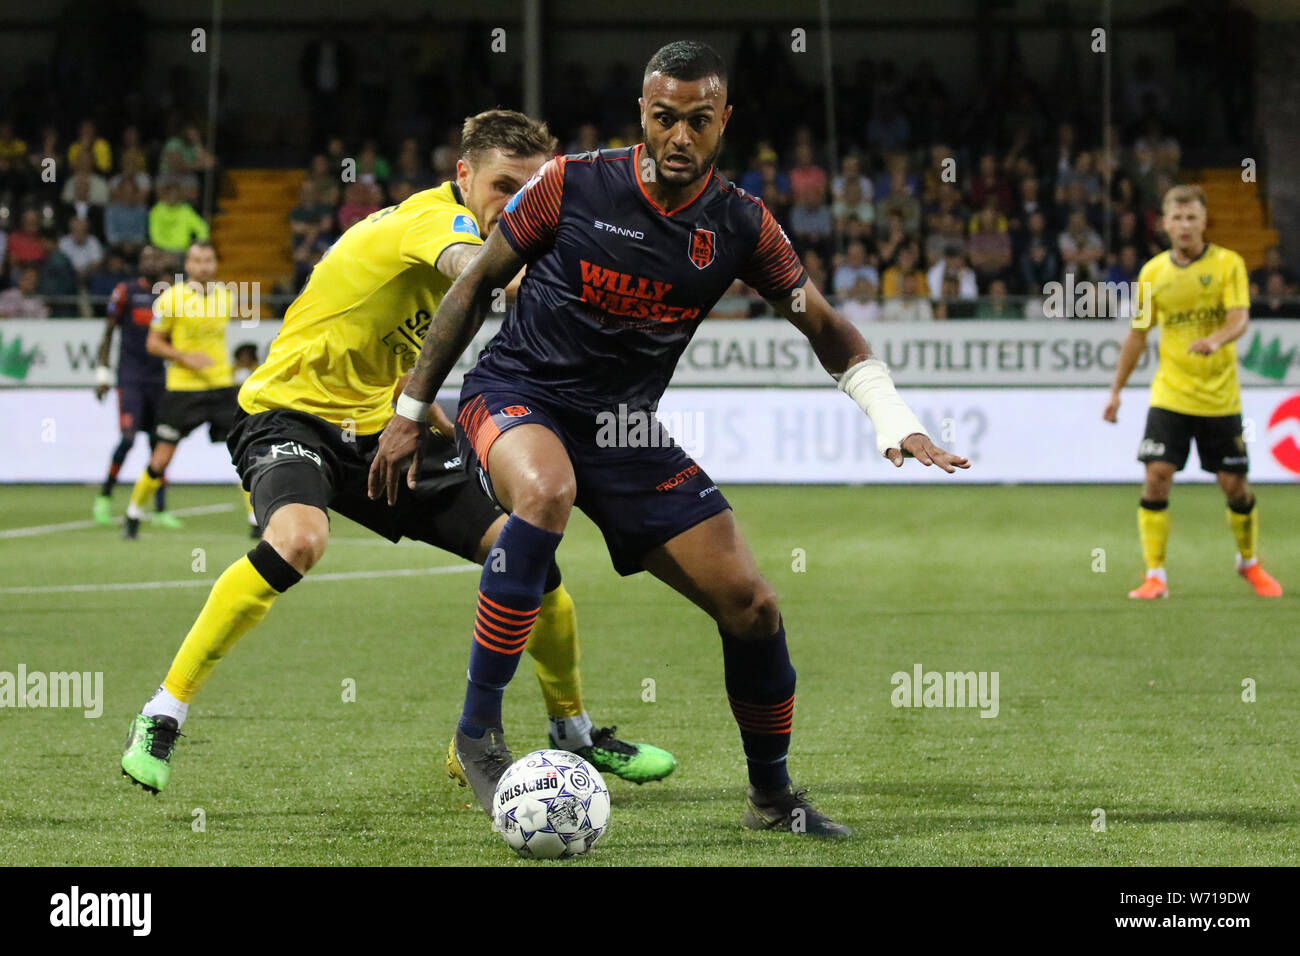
(747, 435)
(760, 352)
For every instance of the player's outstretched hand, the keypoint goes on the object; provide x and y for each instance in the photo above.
(927, 453)
(398, 444)
(1111, 414)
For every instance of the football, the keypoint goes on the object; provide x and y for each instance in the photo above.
(551, 804)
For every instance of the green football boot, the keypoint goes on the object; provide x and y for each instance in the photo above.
(103, 513)
(147, 759)
(639, 763)
(165, 519)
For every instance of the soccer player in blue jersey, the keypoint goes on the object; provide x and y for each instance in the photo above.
(141, 378)
(627, 250)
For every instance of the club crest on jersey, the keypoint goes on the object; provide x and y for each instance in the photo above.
(702, 246)
(516, 411)
(1205, 280)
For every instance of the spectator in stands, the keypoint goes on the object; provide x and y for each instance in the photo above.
(912, 304)
(996, 305)
(131, 155)
(851, 172)
(1026, 204)
(126, 217)
(815, 266)
(854, 268)
(11, 146)
(989, 184)
(1061, 161)
(309, 248)
(1038, 265)
(89, 143)
(305, 218)
(1273, 265)
(900, 196)
(322, 176)
(989, 244)
(1126, 265)
(1273, 304)
(807, 177)
(894, 281)
(359, 201)
(184, 158)
(860, 304)
(133, 168)
(767, 183)
(894, 238)
(58, 280)
(26, 248)
(173, 223)
(22, 301)
(810, 220)
(1081, 248)
(948, 231)
(371, 167)
(853, 213)
(587, 140)
(83, 250)
(85, 190)
(115, 269)
(15, 179)
(410, 176)
(953, 266)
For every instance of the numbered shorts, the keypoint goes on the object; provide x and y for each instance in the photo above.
(639, 497)
(1219, 440)
(287, 457)
(182, 412)
(138, 406)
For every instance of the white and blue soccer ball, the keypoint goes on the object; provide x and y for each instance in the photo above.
(550, 804)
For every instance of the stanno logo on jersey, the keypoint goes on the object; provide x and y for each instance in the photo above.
(516, 411)
(702, 243)
(618, 230)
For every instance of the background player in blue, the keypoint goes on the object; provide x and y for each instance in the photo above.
(627, 250)
(141, 377)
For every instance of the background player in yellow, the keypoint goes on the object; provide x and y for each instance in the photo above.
(1198, 296)
(308, 423)
(189, 331)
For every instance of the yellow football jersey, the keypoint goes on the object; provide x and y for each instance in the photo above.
(357, 326)
(1188, 303)
(195, 320)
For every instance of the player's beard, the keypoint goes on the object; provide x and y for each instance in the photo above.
(680, 179)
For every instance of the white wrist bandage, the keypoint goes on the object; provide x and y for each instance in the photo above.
(103, 375)
(408, 407)
(868, 383)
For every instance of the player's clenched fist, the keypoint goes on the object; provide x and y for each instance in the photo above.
(927, 453)
(398, 444)
(1111, 414)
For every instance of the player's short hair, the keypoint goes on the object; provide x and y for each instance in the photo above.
(511, 132)
(687, 60)
(1184, 194)
(202, 244)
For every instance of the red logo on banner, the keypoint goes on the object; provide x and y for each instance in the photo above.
(1287, 451)
(702, 241)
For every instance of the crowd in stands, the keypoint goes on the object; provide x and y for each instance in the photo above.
(920, 215)
(74, 215)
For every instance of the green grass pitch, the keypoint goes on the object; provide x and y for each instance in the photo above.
(1104, 703)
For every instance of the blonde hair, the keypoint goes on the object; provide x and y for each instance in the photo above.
(1184, 194)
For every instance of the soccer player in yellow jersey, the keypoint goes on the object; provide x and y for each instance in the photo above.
(1197, 294)
(308, 424)
(189, 331)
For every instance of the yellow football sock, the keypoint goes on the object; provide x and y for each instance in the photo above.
(553, 645)
(1245, 528)
(144, 489)
(1153, 530)
(239, 599)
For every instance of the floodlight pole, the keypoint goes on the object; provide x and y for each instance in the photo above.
(828, 82)
(214, 65)
(533, 58)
